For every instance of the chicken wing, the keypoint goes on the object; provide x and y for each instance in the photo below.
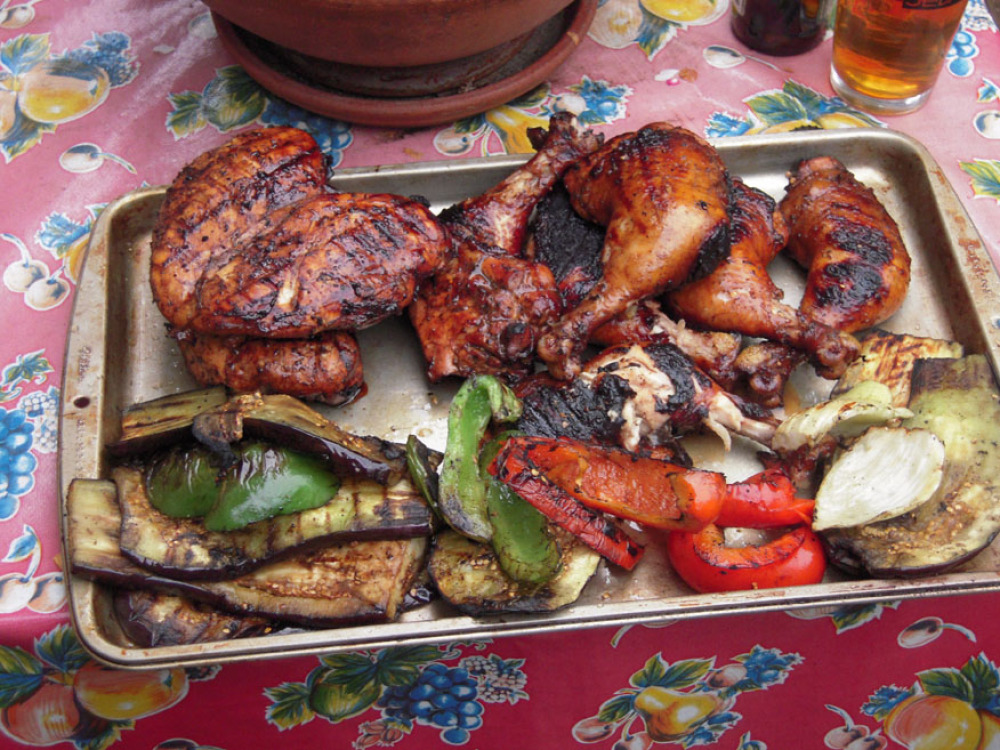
(663, 194)
(482, 310)
(858, 266)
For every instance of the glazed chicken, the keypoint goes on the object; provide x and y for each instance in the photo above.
(251, 242)
(221, 197)
(740, 296)
(858, 266)
(326, 368)
(662, 192)
(483, 309)
(639, 396)
(571, 246)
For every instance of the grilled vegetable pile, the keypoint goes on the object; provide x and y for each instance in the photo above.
(285, 517)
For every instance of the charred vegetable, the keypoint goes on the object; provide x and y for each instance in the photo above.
(524, 546)
(707, 563)
(183, 548)
(888, 358)
(886, 472)
(847, 415)
(480, 400)
(279, 419)
(468, 576)
(334, 585)
(763, 501)
(646, 490)
(152, 618)
(164, 421)
(263, 482)
(957, 400)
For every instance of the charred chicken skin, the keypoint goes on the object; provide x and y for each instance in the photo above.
(740, 296)
(662, 192)
(250, 241)
(482, 310)
(326, 368)
(858, 266)
(640, 396)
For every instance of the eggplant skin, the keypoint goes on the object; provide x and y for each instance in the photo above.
(342, 584)
(957, 400)
(468, 576)
(153, 618)
(182, 548)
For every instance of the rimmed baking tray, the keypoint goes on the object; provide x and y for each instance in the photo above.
(118, 354)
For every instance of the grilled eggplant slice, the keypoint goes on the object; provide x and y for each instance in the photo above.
(352, 582)
(888, 358)
(184, 548)
(468, 576)
(164, 421)
(152, 618)
(219, 422)
(957, 400)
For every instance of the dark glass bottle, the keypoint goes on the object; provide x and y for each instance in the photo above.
(779, 27)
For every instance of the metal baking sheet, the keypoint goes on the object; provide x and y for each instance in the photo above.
(118, 354)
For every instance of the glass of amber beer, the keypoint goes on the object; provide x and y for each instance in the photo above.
(887, 54)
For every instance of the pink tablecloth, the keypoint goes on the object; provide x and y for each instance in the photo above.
(165, 91)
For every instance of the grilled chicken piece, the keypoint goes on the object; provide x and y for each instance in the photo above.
(639, 396)
(663, 194)
(571, 246)
(714, 352)
(242, 248)
(858, 266)
(221, 197)
(326, 368)
(740, 296)
(762, 370)
(482, 310)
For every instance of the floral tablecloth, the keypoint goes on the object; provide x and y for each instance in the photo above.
(151, 88)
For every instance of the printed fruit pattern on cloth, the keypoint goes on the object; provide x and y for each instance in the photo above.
(103, 97)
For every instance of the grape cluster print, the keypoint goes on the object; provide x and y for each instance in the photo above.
(407, 687)
(17, 463)
(443, 697)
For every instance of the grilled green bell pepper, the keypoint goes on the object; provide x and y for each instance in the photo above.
(265, 481)
(525, 549)
(480, 400)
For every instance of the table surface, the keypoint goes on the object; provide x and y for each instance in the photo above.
(772, 680)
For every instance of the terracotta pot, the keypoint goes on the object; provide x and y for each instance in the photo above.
(390, 33)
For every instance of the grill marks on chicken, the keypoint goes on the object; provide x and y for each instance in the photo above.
(255, 244)
(337, 261)
(482, 310)
(252, 245)
(221, 198)
(858, 266)
(662, 192)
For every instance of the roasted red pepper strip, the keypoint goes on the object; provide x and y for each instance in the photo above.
(706, 564)
(765, 500)
(591, 528)
(649, 491)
